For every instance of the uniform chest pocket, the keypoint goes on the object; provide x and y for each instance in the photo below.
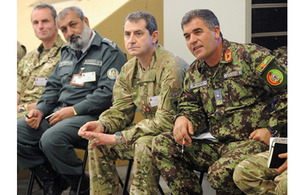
(65, 73)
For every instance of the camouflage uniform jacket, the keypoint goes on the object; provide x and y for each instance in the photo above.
(234, 100)
(21, 51)
(102, 61)
(153, 92)
(32, 67)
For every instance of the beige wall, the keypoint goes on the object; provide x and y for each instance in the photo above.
(105, 16)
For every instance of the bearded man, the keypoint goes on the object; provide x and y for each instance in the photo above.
(78, 90)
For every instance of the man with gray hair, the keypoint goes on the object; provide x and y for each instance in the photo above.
(78, 90)
(149, 82)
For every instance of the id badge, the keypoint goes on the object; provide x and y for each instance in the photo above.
(77, 80)
(153, 101)
(218, 97)
(89, 76)
(40, 81)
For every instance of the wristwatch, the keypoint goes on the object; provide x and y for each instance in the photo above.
(21, 109)
(274, 132)
(118, 135)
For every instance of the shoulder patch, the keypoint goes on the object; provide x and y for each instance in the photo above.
(275, 77)
(112, 73)
(262, 66)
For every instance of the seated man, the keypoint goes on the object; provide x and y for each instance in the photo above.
(21, 51)
(151, 82)
(253, 176)
(227, 92)
(78, 90)
(35, 67)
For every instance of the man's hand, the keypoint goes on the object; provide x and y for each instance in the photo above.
(34, 118)
(101, 138)
(62, 114)
(92, 126)
(283, 167)
(262, 135)
(183, 128)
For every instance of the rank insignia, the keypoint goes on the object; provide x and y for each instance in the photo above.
(275, 77)
(218, 97)
(112, 73)
(228, 55)
(260, 68)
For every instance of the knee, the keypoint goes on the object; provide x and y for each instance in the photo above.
(48, 141)
(220, 176)
(160, 143)
(238, 174)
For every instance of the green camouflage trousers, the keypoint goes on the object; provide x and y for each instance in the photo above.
(253, 176)
(103, 172)
(218, 158)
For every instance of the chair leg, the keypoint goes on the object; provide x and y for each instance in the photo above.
(30, 183)
(127, 177)
(201, 177)
(83, 169)
(160, 189)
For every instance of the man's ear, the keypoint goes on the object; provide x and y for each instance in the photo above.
(217, 32)
(155, 36)
(86, 20)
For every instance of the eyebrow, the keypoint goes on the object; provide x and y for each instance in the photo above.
(194, 30)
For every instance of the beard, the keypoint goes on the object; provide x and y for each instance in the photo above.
(79, 41)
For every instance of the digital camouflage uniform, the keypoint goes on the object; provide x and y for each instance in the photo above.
(230, 103)
(21, 51)
(35, 65)
(253, 177)
(154, 93)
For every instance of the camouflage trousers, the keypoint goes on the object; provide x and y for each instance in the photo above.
(219, 159)
(253, 176)
(103, 172)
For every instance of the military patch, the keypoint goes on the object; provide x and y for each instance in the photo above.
(112, 73)
(275, 77)
(198, 84)
(233, 74)
(261, 67)
(228, 55)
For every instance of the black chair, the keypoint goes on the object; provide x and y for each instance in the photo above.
(33, 177)
(127, 177)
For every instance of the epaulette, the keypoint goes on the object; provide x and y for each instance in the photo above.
(110, 42)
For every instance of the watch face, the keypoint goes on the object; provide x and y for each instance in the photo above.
(118, 134)
(21, 109)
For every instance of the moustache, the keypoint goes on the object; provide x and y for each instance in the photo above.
(74, 37)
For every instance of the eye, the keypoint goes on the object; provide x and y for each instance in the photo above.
(187, 37)
(63, 30)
